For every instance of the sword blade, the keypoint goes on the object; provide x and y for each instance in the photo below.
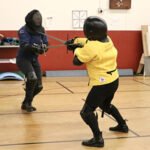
(52, 37)
(56, 46)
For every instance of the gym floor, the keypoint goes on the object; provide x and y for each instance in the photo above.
(57, 123)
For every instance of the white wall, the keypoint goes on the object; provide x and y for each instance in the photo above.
(13, 12)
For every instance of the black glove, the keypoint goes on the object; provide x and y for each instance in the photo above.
(72, 47)
(28, 48)
(76, 61)
(69, 41)
(40, 49)
(37, 48)
(44, 47)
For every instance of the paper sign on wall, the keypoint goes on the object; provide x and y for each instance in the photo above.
(48, 22)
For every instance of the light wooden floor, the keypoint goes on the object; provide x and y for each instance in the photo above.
(57, 125)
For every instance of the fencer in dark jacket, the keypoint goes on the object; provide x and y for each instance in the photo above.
(32, 44)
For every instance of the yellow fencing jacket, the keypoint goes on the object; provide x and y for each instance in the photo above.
(100, 59)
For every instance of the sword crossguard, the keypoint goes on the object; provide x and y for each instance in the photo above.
(67, 40)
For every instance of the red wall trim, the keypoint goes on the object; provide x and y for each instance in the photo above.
(128, 43)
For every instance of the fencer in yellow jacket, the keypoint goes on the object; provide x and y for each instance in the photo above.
(99, 54)
(100, 60)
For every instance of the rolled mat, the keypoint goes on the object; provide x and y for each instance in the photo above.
(11, 76)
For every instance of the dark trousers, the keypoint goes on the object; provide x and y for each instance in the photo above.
(28, 66)
(100, 96)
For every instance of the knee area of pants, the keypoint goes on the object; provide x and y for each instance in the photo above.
(40, 88)
(31, 76)
(31, 83)
(83, 114)
(86, 111)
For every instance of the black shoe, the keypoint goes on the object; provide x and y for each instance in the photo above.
(94, 142)
(34, 109)
(28, 107)
(120, 128)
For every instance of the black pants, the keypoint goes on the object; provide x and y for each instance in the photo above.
(100, 96)
(28, 66)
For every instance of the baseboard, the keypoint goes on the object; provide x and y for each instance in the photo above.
(72, 73)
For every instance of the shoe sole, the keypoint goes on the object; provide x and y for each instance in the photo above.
(119, 131)
(27, 110)
(23, 108)
(93, 145)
